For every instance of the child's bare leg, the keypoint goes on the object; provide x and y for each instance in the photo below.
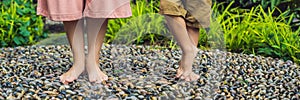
(75, 37)
(193, 34)
(95, 40)
(178, 28)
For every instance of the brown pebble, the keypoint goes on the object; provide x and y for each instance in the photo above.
(50, 92)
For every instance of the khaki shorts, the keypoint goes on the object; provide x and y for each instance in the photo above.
(195, 12)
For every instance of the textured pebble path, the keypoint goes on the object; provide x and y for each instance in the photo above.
(138, 72)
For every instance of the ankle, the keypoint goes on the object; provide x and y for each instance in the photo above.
(78, 64)
(91, 57)
(91, 65)
(190, 50)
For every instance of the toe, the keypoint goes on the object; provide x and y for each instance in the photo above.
(194, 77)
(98, 81)
(62, 79)
(179, 73)
(105, 78)
(188, 79)
(182, 77)
(93, 80)
(70, 79)
(65, 83)
(197, 77)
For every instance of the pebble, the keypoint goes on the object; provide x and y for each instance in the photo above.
(141, 97)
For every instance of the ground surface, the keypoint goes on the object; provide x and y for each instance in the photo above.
(54, 39)
(138, 72)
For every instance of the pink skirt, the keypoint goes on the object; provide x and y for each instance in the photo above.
(68, 10)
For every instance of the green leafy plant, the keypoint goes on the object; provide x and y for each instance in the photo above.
(19, 24)
(290, 7)
(144, 27)
(248, 4)
(258, 32)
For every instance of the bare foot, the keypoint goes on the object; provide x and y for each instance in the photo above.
(94, 72)
(185, 71)
(72, 74)
(186, 75)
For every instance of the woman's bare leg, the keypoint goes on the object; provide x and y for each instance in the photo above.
(96, 29)
(74, 30)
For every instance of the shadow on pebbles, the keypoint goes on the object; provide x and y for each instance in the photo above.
(141, 72)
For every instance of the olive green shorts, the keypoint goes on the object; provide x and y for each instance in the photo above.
(196, 13)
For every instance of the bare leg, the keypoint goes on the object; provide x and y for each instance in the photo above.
(95, 40)
(178, 28)
(193, 34)
(74, 30)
